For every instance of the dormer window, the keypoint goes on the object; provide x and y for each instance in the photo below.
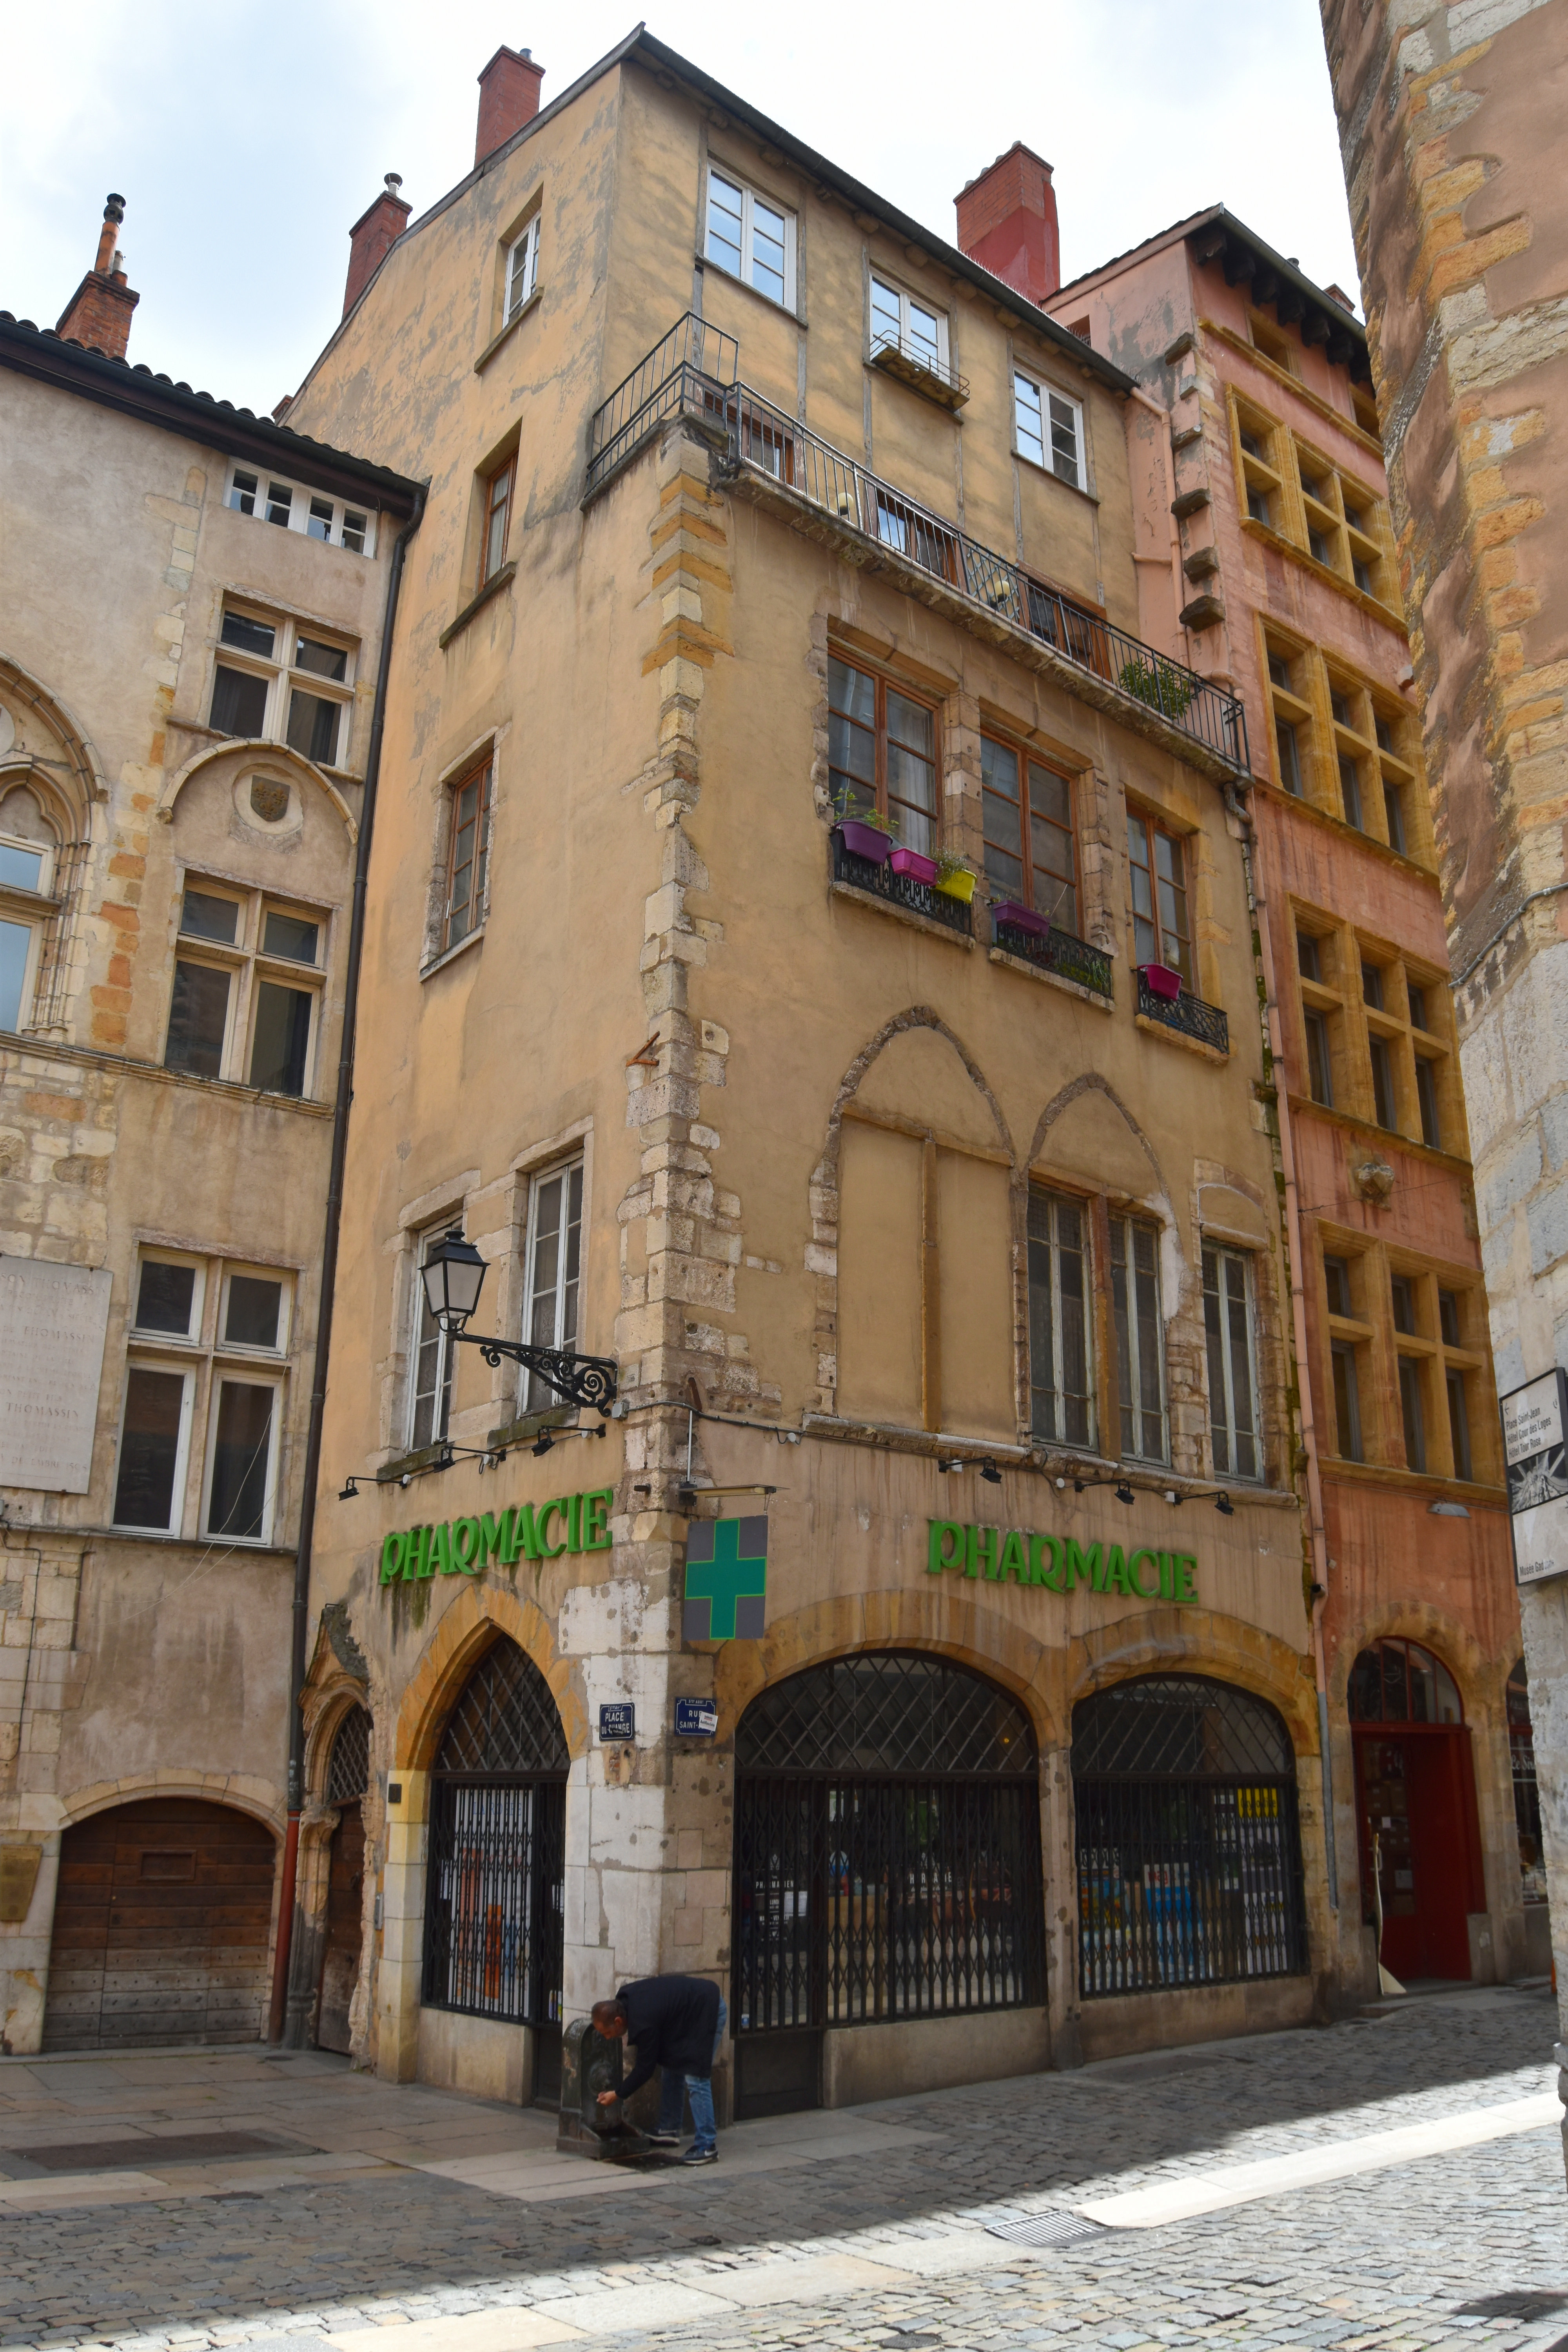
(335, 521)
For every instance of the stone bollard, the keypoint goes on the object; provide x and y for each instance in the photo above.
(591, 2063)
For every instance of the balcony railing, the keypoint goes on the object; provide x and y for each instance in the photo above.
(915, 362)
(693, 371)
(1058, 952)
(693, 362)
(901, 889)
(1188, 1014)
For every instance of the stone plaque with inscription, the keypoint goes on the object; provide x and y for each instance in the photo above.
(52, 1323)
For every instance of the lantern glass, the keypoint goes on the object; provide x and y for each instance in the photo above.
(454, 1275)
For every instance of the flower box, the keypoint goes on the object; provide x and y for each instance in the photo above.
(1163, 982)
(956, 882)
(910, 862)
(868, 841)
(1020, 919)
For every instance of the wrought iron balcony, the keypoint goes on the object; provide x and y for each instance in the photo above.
(1058, 952)
(901, 889)
(1188, 1014)
(916, 364)
(693, 372)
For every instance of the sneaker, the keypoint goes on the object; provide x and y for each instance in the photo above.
(664, 2139)
(695, 2154)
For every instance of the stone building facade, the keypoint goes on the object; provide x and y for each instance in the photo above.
(1272, 563)
(189, 650)
(1448, 126)
(919, 1643)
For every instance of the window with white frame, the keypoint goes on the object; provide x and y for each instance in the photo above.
(554, 1270)
(1047, 428)
(1060, 1353)
(1140, 1338)
(336, 522)
(901, 323)
(431, 1352)
(283, 681)
(521, 268)
(207, 1350)
(246, 998)
(28, 853)
(1233, 1378)
(750, 238)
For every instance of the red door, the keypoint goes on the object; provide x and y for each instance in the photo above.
(1417, 1790)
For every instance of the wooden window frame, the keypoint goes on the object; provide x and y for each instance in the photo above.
(499, 490)
(1122, 1228)
(476, 865)
(1222, 1410)
(1053, 1199)
(1185, 960)
(885, 804)
(1027, 759)
(536, 1396)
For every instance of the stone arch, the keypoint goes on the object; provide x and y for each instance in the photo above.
(469, 1626)
(1087, 1083)
(278, 755)
(1225, 1651)
(244, 1795)
(78, 780)
(822, 1250)
(1481, 1678)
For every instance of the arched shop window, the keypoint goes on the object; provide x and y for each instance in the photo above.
(348, 1768)
(887, 1854)
(1526, 1795)
(1399, 1682)
(1189, 1852)
(494, 1885)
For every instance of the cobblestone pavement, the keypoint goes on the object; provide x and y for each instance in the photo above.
(1468, 2248)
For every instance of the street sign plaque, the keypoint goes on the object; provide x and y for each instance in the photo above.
(696, 1719)
(617, 1720)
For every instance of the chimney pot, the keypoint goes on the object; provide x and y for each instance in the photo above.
(509, 97)
(98, 312)
(372, 237)
(1007, 222)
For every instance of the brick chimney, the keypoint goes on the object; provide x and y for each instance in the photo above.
(509, 97)
(371, 238)
(1007, 222)
(98, 312)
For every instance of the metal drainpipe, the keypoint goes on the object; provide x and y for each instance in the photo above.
(1269, 1016)
(301, 1607)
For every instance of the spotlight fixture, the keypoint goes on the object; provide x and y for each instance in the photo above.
(989, 1472)
(349, 1490)
(1123, 1492)
(1078, 1485)
(1225, 1507)
(543, 1442)
(406, 1479)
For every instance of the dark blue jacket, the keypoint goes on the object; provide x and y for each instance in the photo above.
(674, 2022)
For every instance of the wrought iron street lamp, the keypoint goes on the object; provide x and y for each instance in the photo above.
(454, 1275)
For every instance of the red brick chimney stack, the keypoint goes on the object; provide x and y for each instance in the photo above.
(509, 97)
(98, 312)
(1007, 222)
(371, 238)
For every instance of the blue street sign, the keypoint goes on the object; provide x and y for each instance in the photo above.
(618, 1720)
(695, 1719)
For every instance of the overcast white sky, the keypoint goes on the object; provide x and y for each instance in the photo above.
(248, 137)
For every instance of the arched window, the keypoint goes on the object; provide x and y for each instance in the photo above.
(1399, 1682)
(1189, 1852)
(348, 1768)
(887, 1853)
(38, 874)
(494, 1889)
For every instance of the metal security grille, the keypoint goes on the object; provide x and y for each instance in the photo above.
(349, 1768)
(1189, 1850)
(496, 1868)
(886, 1848)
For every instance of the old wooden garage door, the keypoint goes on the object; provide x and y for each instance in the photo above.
(162, 1926)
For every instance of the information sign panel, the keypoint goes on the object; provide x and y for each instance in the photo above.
(1535, 1450)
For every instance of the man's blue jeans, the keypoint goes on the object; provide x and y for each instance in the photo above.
(675, 2089)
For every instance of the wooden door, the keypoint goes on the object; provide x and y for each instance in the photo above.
(1412, 1794)
(162, 1927)
(346, 1929)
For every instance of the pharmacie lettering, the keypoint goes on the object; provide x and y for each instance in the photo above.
(570, 1523)
(1062, 1564)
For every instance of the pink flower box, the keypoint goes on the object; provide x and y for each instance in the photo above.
(1163, 982)
(910, 862)
(1021, 919)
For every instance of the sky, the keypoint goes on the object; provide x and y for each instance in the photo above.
(246, 139)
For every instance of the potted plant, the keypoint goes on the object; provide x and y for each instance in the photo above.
(955, 875)
(1020, 918)
(1163, 981)
(914, 864)
(866, 833)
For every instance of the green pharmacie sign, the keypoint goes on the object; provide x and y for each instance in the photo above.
(1014, 1555)
(467, 1547)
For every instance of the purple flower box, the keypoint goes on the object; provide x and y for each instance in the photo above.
(910, 862)
(1163, 982)
(866, 841)
(1021, 919)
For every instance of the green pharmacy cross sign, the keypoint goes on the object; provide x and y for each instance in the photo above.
(726, 1580)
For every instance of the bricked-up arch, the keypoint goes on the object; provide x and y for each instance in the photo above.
(162, 1927)
(1189, 1849)
(887, 1863)
(494, 1889)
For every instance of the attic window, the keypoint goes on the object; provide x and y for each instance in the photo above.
(292, 508)
(1079, 328)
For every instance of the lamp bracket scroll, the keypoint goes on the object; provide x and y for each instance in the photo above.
(453, 1273)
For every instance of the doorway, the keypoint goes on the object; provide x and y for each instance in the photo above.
(1415, 1803)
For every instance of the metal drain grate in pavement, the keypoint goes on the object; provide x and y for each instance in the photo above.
(1053, 2229)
